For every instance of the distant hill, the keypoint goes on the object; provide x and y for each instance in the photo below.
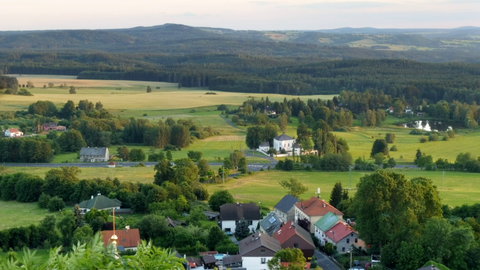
(431, 45)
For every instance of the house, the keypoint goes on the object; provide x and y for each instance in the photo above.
(323, 225)
(344, 237)
(94, 154)
(256, 250)
(128, 239)
(264, 147)
(283, 142)
(233, 213)
(53, 126)
(195, 263)
(13, 132)
(308, 212)
(232, 261)
(297, 149)
(99, 202)
(209, 261)
(270, 224)
(285, 208)
(291, 235)
(211, 215)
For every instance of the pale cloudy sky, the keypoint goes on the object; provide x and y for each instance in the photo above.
(238, 14)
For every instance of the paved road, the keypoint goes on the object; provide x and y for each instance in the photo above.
(325, 262)
(251, 167)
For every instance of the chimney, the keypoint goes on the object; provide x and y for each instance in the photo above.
(91, 197)
(127, 227)
(324, 205)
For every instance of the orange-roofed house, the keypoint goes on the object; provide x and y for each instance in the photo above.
(308, 212)
(291, 235)
(128, 239)
(13, 132)
(344, 237)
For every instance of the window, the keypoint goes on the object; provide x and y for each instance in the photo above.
(295, 245)
(356, 240)
(343, 249)
(348, 240)
(263, 260)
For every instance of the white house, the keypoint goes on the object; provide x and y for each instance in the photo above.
(323, 225)
(13, 132)
(233, 213)
(264, 147)
(94, 154)
(283, 142)
(256, 250)
(313, 209)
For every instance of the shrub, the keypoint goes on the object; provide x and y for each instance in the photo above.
(55, 204)
(43, 200)
(423, 140)
(393, 148)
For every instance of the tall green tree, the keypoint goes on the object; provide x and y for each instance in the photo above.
(294, 187)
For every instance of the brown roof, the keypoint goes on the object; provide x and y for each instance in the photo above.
(258, 244)
(317, 207)
(126, 238)
(339, 231)
(14, 130)
(289, 230)
(240, 211)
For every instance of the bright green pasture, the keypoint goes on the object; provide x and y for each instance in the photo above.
(15, 214)
(360, 141)
(455, 188)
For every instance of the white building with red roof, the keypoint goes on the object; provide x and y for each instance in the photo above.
(313, 209)
(13, 132)
(343, 236)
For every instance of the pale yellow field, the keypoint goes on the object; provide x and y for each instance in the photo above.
(131, 95)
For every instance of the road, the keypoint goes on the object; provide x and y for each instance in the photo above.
(325, 262)
(251, 167)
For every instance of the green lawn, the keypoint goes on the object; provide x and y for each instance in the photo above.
(15, 214)
(455, 188)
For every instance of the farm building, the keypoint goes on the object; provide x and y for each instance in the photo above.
(13, 132)
(94, 154)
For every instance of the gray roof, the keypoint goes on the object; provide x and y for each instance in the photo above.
(93, 151)
(232, 259)
(283, 137)
(271, 223)
(100, 202)
(286, 203)
(258, 244)
(429, 267)
(240, 211)
(265, 144)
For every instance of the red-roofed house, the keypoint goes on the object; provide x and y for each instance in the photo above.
(128, 239)
(343, 236)
(13, 132)
(313, 209)
(291, 235)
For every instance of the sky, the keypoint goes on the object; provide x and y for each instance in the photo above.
(238, 14)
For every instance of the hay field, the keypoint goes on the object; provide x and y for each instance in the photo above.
(126, 95)
(15, 213)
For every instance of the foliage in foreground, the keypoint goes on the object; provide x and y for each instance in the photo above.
(94, 255)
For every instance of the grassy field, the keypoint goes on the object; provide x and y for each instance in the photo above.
(361, 139)
(455, 188)
(14, 214)
(126, 95)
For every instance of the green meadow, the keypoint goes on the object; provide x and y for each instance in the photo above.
(14, 213)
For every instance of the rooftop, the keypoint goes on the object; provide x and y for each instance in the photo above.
(286, 203)
(327, 221)
(283, 137)
(93, 151)
(317, 207)
(126, 238)
(240, 211)
(100, 202)
(291, 229)
(257, 240)
(339, 231)
(271, 223)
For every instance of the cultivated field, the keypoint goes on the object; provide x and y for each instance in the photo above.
(125, 95)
